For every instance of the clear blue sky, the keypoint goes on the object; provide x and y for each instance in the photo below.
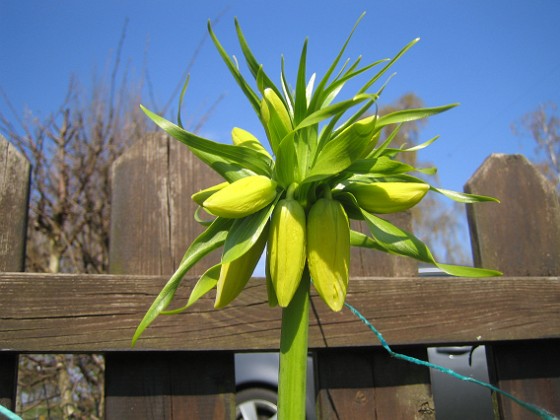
(498, 58)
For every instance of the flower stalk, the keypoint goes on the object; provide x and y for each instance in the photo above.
(293, 354)
(325, 163)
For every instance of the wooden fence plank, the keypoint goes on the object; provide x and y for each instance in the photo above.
(362, 384)
(14, 194)
(152, 224)
(520, 237)
(170, 385)
(96, 313)
(152, 213)
(353, 384)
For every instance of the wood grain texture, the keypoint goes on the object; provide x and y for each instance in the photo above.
(14, 194)
(152, 221)
(370, 384)
(152, 225)
(170, 385)
(74, 313)
(521, 237)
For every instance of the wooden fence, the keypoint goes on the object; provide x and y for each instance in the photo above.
(183, 367)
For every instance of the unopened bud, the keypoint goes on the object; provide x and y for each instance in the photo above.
(242, 197)
(388, 197)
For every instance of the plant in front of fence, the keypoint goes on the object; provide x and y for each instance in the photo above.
(326, 163)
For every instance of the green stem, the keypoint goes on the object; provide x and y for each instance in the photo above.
(293, 354)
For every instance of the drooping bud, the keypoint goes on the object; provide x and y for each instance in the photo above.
(328, 251)
(235, 274)
(286, 244)
(243, 138)
(242, 197)
(388, 197)
(202, 195)
(276, 118)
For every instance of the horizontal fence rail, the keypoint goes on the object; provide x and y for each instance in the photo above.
(97, 313)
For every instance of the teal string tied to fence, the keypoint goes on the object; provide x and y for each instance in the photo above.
(541, 412)
(10, 415)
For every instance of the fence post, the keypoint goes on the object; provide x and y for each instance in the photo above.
(14, 194)
(152, 224)
(521, 237)
(366, 383)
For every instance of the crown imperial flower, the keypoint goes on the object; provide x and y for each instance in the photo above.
(326, 161)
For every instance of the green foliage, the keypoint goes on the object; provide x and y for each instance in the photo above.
(324, 154)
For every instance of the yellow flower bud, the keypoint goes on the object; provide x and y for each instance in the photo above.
(286, 247)
(328, 251)
(272, 100)
(202, 195)
(388, 197)
(242, 197)
(243, 138)
(235, 274)
(276, 119)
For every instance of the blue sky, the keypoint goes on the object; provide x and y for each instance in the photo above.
(499, 59)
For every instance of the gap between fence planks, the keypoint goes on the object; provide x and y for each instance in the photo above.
(98, 313)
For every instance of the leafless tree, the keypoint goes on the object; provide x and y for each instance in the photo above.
(71, 152)
(436, 220)
(542, 126)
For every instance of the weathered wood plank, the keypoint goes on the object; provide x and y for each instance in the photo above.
(152, 224)
(188, 390)
(14, 194)
(74, 313)
(152, 220)
(521, 237)
(353, 383)
(358, 384)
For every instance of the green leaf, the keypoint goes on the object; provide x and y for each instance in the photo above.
(244, 233)
(301, 89)
(380, 166)
(400, 242)
(331, 110)
(247, 90)
(349, 203)
(339, 153)
(287, 166)
(318, 98)
(213, 237)
(461, 271)
(205, 283)
(230, 161)
(290, 102)
(181, 98)
(361, 240)
(254, 66)
(202, 217)
(276, 116)
(464, 197)
(407, 115)
(334, 88)
(389, 65)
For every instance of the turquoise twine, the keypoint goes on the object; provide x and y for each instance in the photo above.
(530, 407)
(8, 414)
